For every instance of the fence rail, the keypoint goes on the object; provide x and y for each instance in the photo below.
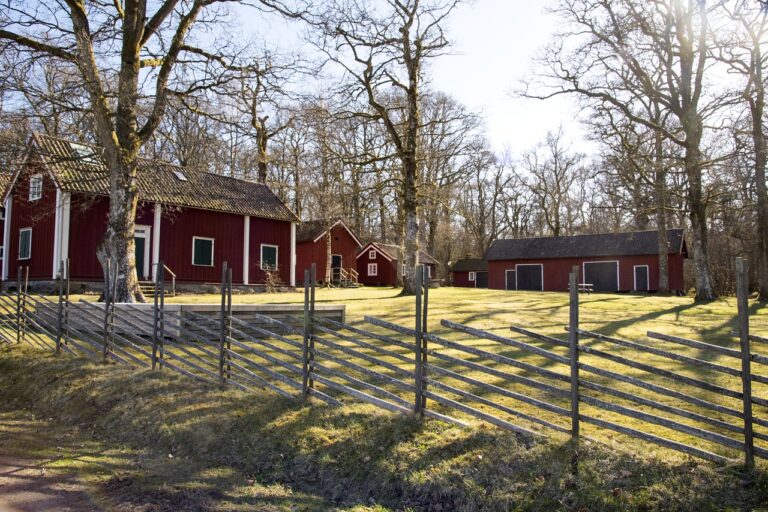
(688, 395)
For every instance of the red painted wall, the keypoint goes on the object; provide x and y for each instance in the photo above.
(387, 274)
(316, 252)
(556, 271)
(462, 279)
(273, 232)
(40, 215)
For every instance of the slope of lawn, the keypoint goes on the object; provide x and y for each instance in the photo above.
(158, 441)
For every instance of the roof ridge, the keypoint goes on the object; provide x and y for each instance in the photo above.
(589, 234)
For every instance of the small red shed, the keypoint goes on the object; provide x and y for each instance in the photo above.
(611, 262)
(312, 247)
(470, 273)
(376, 264)
(58, 202)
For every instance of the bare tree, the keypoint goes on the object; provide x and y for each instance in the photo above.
(383, 48)
(122, 51)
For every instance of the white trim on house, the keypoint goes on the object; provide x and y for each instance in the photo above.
(38, 179)
(584, 271)
(28, 256)
(293, 254)
(373, 267)
(145, 232)
(372, 254)
(156, 220)
(647, 277)
(506, 280)
(246, 248)
(213, 248)
(7, 234)
(471, 277)
(261, 256)
(369, 247)
(517, 287)
(66, 210)
(56, 234)
(359, 243)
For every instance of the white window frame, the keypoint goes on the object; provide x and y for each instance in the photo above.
(213, 250)
(517, 287)
(261, 257)
(372, 254)
(145, 232)
(28, 256)
(36, 178)
(647, 277)
(373, 270)
(471, 277)
(618, 274)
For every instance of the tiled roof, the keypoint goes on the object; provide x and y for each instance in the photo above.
(636, 243)
(393, 252)
(470, 265)
(161, 182)
(311, 230)
(5, 180)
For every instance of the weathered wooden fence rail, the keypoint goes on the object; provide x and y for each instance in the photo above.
(681, 394)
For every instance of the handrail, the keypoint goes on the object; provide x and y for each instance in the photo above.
(173, 277)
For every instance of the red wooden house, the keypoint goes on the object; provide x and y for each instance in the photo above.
(612, 262)
(376, 264)
(470, 273)
(312, 247)
(57, 206)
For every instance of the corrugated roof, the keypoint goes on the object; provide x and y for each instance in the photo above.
(470, 265)
(77, 170)
(393, 252)
(636, 243)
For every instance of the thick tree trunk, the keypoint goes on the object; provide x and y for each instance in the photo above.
(757, 108)
(328, 258)
(698, 218)
(660, 189)
(411, 227)
(262, 140)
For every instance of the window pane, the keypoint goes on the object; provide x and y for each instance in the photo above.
(268, 257)
(25, 237)
(203, 252)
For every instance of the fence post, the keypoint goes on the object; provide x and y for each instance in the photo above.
(305, 345)
(418, 280)
(229, 324)
(156, 314)
(66, 302)
(107, 291)
(742, 293)
(223, 324)
(311, 355)
(573, 350)
(60, 310)
(18, 305)
(23, 309)
(424, 342)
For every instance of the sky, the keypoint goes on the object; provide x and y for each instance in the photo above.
(493, 43)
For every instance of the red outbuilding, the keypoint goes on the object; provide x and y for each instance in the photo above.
(57, 205)
(312, 239)
(377, 264)
(470, 273)
(611, 262)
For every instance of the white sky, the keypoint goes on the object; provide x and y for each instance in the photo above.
(493, 44)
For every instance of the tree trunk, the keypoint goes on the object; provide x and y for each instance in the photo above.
(328, 259)
(262, 140)
(660, 189)
(698, 217)
(757, 107)
(411, 226)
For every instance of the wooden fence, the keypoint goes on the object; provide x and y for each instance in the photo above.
(683, 394)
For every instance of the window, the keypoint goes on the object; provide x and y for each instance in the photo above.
(180, 175)
(2, 252)
(84, 153)
(25, 243)
(371, 255)
(35, 187)
(268, 257)
(202, 251)
(373, 269)
(472, 276)
(403, 268)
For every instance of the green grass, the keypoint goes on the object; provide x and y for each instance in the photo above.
(235, 451)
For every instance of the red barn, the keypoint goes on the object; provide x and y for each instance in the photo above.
(612, 262)
(57, 206)
(312, 247)
(470, 273)
(376, 264)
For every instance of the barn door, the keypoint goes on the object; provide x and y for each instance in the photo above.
(530, 277)
(641, 278)
(602, 275)
(141, 240)
(481, 280)
(511, 280)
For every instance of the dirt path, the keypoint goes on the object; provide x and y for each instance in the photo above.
(27, 486)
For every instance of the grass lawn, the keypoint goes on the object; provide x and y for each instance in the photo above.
(624, 316)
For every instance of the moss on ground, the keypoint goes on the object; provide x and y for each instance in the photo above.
(233, 451)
